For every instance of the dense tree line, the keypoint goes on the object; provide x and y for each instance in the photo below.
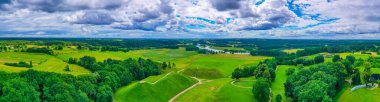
(40, 50)
(20, 64)
(109, 75)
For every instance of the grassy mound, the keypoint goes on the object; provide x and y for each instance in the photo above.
(161, 91)
(218, 90)
(203, 73)
(56, 65)
(360, 95)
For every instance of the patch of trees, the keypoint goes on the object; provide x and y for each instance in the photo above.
(109, 75)
(40, 50)
(318, 83)
(168, 65)
(20, 64)
(265, 69)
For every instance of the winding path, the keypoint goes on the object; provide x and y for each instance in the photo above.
(182, 92)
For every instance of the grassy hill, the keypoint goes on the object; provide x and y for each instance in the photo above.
(218, 90)
(160, 91)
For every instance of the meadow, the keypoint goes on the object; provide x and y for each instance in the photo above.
(41, 62)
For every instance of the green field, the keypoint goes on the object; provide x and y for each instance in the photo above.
(225, 63)
(357, 55)
(278, 84)
(218, 90)
(291, 50)
(161, 91)
(360, 95)
(41, 62)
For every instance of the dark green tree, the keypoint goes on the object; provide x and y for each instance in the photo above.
(336, 58)
(18, 90)
(278, 98)
(237, 74)
(351, 58)
(319, 59)
(104, 94)
(261, 90)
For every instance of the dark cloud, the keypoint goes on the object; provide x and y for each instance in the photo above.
(59, 5)
(223, 5)
(95, 18)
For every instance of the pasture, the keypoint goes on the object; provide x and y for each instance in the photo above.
(291, 50)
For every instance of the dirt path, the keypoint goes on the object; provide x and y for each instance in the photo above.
(233, 83)
(182, 92)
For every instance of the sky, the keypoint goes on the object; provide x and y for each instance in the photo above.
(294, 19)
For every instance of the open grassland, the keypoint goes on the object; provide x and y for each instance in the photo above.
(41, 62)
(161, 91)
(218, 90)
(291, 50)
(14, 57)
(360, 95)
(357, 55)
(225, 63)
(100, 56)
(278, 84)
(56, 65)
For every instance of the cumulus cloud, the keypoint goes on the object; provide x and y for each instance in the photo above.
(275, 18)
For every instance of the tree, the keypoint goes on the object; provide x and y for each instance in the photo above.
(18, 90)
(67, 68)
(261, 90)
(104, 94)
(312, 91)
(278, 98)
(30, 64)
(237, 74)
(367, 74)
(319, 59)
(169, 65)
(356, 77)
(336, 58)
(164, 65)
(290, 71)
(351, 59)
(262, 71)
(348, 65)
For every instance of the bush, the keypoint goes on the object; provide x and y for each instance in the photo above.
(290, 71)
(278, 98)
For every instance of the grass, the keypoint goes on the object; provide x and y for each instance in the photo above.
(360, 95)
(203, 73)
(278, 84)
(159, 92)
(41, 62)
(100, 56)
(357, 55)
(291, 50)
(218, 90)
(225, 63)
(56, 65)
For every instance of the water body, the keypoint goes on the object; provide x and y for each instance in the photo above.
(208, 48)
